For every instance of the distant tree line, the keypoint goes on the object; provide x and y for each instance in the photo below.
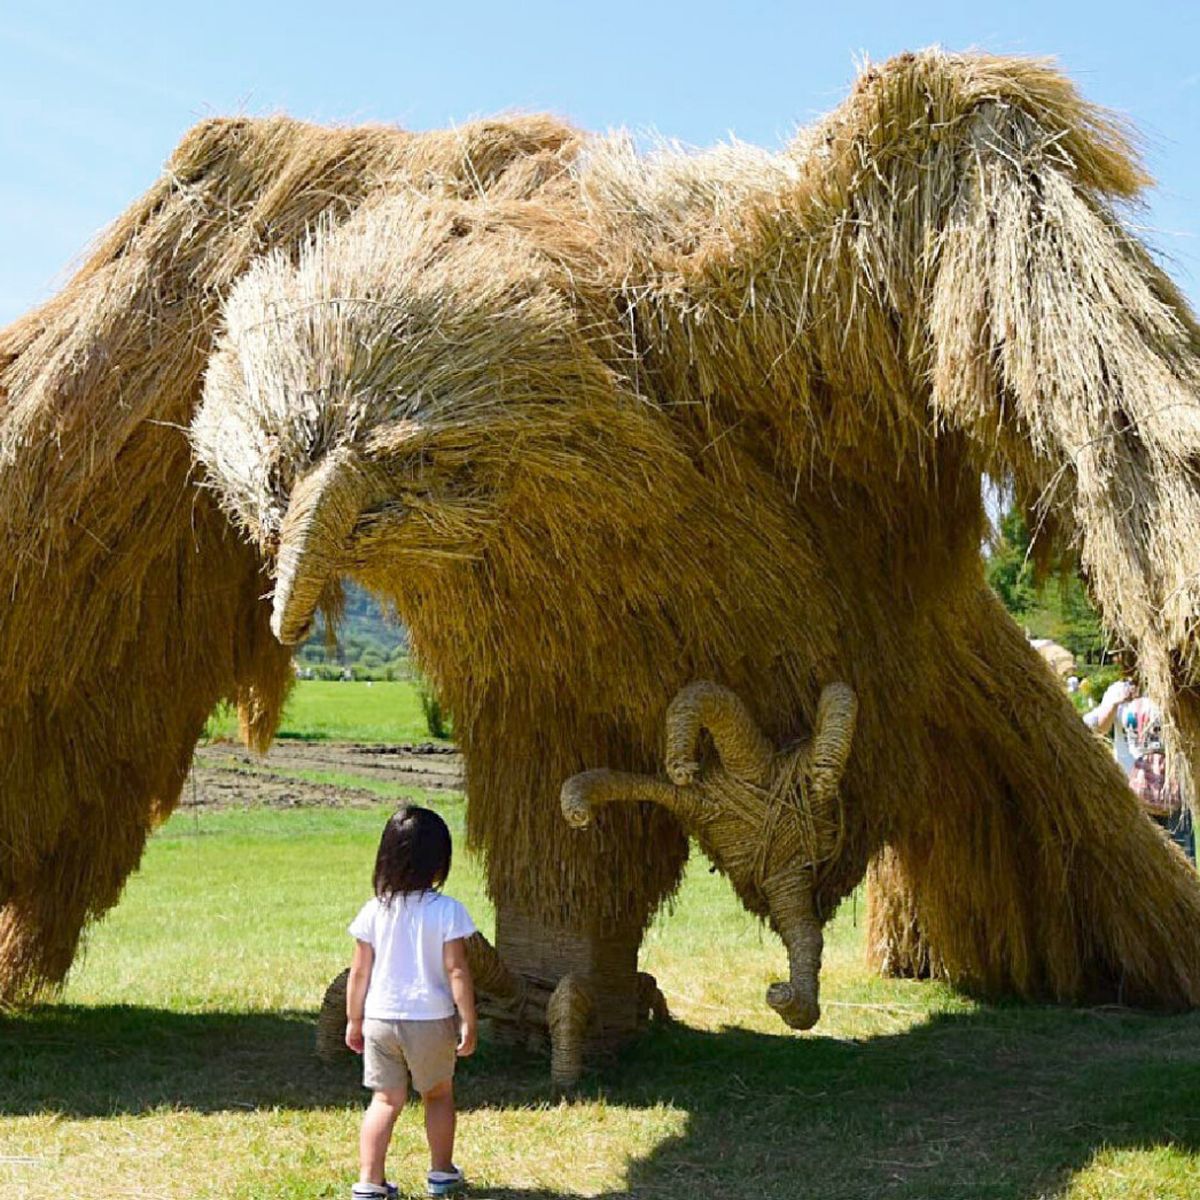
(1056, 608)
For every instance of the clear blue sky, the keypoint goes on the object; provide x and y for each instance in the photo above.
(94, 95)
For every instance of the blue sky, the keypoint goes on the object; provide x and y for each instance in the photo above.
(94, 96)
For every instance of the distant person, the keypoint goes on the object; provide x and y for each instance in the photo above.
(1137, 739)
(410, 1000)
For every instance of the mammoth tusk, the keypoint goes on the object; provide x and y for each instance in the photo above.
(589, 789)
(833, 733)
(744, 749)
(321, 515)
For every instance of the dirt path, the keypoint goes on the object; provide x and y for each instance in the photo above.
(227, 775)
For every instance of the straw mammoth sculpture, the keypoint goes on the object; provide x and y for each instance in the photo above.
(597, 426)
(768, 819)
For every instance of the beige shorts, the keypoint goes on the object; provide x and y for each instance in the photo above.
(395, 1050)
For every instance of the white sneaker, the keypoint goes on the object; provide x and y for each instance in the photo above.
(445, 1183)
(374, 1191)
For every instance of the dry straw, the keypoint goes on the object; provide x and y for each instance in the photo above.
(130, 606)
(599, 426)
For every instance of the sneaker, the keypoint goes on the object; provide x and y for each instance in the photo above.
(375, 1191)
(445, 1183)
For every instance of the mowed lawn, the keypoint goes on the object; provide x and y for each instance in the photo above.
(322, 710)
(178, 1062)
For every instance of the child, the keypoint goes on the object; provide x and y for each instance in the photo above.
(408, 977)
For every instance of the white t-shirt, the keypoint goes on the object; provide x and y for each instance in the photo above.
(1133, 718)
(408, 977)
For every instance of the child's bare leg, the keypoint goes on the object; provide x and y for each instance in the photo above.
(378, 1123)
(439, 1125)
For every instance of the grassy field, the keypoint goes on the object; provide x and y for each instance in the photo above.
(178, 1062)
(361, 712)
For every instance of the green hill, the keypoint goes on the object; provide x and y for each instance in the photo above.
(371, 643)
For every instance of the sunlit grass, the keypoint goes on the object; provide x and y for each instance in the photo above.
(320, 710)
(178, 1062)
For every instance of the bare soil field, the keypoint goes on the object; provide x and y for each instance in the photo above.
(226, 775)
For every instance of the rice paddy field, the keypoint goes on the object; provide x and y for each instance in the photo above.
(178, 1061)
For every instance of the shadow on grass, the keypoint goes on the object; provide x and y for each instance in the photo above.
(1000, 1102)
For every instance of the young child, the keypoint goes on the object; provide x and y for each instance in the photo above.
(408, 978)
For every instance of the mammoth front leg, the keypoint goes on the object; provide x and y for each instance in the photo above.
(605, 958)
(568, 902)
(789, 895)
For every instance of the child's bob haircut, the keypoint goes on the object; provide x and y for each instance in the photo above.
(414, 853)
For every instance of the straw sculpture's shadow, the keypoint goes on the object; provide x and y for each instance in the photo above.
(104, 1060)
(1004, 1102)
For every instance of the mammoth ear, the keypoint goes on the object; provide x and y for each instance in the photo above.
(324, 507)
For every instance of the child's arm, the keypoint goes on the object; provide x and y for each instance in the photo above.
(462, 987)
(356, 993)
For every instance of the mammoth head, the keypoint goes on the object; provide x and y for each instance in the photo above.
(413, 381)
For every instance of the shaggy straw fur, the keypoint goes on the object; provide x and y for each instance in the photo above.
(611, 425)
(131, 607)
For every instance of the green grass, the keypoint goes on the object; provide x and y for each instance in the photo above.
(178, 1061)
(318, 710)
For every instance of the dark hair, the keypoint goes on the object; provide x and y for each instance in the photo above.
(414, 853)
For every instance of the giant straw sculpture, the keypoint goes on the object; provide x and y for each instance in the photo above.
(600, 426)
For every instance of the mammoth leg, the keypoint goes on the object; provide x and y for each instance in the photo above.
(568, 902)
(606, 956)
(744, 749)
(896, 947)
(789, 896)
(42, 921)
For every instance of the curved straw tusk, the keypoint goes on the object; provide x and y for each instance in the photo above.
(589, 789)
(833, 732)
(745, 751)
(321, 515)
(490, 973)
(568, 1016)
